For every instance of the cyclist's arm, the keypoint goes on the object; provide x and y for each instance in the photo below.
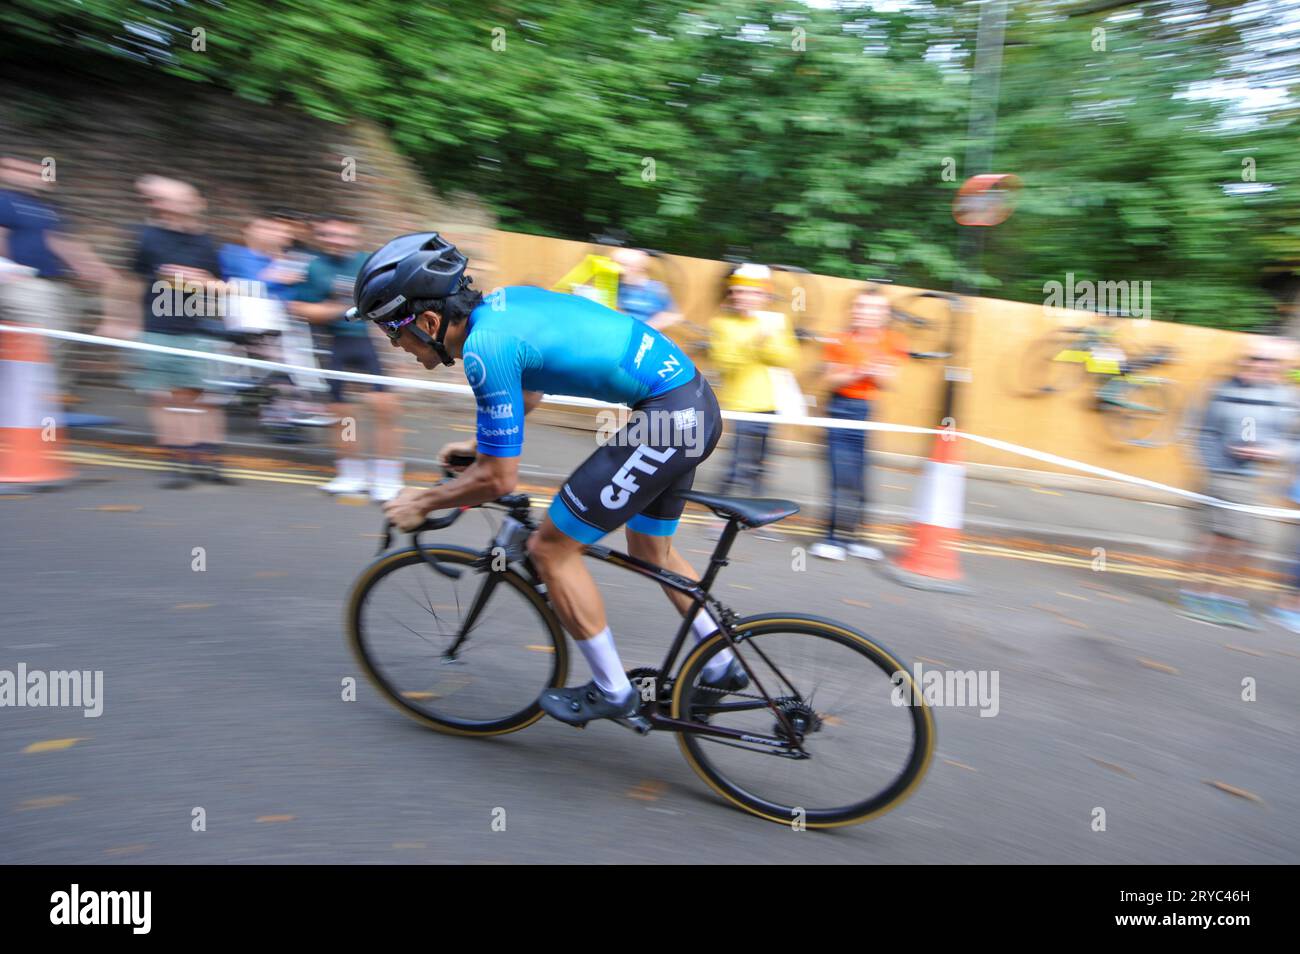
(482, 481)
(531, 400)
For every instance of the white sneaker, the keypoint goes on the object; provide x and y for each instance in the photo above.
(864, 552)
(388, 480)
(351, 478)
(827, 551)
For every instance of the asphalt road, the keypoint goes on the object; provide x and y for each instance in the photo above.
(222, 691)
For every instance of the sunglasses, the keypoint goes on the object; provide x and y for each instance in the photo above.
(394, 328)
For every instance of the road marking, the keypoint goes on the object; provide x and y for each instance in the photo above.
(49, 801)
(114, 508)
(274, 818)
(885, 536)
(960, 765)
(1157, 666)
(193, 606)
(51, 745)
(125, 850)
(1234, 790)
(1113, 767)
(540, 649)
(1243, 649)
(648, 791)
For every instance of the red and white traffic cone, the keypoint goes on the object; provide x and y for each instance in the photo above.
(28, 417)
(931, 563)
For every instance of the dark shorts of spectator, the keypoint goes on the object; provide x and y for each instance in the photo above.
(352, 354)
(1234, 488)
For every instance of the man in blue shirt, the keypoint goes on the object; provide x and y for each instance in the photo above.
(641, 296)
(32, 235)
(322, 299)
(516, 345)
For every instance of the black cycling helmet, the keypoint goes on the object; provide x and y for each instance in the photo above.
(409, 268)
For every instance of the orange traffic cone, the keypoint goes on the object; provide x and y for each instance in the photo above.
(27, 417)
(930, 563)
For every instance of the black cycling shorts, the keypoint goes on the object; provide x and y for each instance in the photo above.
(635, 474)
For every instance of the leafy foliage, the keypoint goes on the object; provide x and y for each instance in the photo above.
(803, 135)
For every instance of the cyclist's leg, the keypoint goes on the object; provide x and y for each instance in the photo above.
(569, 584)
(634, 476)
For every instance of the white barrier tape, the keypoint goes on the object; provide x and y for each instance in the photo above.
(828, 423)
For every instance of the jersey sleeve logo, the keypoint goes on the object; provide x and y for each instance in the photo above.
(475, 370)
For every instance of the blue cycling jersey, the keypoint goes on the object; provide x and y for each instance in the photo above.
(528, 339)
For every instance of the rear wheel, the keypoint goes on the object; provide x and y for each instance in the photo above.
(1139, 411)
(833, 747)
(467, 655)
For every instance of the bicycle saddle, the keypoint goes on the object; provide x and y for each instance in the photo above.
(748, 511)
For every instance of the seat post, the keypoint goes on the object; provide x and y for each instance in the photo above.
(719, 558)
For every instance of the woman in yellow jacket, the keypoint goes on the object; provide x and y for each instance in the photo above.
(746, 342)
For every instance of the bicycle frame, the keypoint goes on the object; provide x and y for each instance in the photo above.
(518, 507)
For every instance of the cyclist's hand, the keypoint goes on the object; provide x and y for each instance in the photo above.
(455, 449)
(406, 511)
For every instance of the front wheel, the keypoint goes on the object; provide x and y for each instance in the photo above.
(459, 649)
(837, 734)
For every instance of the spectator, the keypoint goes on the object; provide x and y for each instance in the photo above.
(32, 235)
(641, 296)
(265, 277)
(178, 263)
(322, 299)
(1287, 611)
(1248, 422)
(261, 259)
(858, 364)
(746, 341)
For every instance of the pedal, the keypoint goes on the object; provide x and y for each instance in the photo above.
(637, 723)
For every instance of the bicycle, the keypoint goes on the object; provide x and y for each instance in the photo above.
(475, 667)
(1137, 409)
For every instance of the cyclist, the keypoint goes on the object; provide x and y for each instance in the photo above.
(518, 344)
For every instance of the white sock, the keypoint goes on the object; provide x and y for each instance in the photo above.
(602, 656)
(354, 468)
(703, 627)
